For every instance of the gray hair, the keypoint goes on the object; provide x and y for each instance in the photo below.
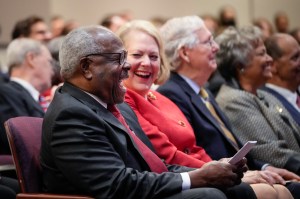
(236, 49)
(77, 44)
(18, 49)
(179, 32)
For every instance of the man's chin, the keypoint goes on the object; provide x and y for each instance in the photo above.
(119, 98)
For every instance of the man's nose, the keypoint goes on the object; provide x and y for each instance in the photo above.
(127, 65)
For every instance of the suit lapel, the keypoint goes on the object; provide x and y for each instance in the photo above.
(106, 115)
(201, 107)
(293, 112)
(93, 104)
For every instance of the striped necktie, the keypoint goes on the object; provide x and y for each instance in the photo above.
(298, 101)
(153, 161)
(212, 110)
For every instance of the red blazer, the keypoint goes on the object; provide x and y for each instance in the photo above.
(167, 128)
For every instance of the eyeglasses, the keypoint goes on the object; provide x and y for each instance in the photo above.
(120, 57)
(209, 42)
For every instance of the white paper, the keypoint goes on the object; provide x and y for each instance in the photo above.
(242, 152)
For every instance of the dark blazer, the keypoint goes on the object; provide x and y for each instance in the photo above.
(15, 101)
(208, 132)
(86, 150)
(294, 113)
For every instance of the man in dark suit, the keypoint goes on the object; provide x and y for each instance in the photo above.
(192, 60)
(285, 80)
(88, 148)
(30, 70)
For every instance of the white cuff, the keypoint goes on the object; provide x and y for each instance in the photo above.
(186, 181)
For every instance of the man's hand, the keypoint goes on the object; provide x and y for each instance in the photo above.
(285, 174)
(218, 174)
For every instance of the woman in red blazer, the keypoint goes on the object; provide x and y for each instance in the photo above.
(167, 128)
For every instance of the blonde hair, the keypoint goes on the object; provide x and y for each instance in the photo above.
(148, 28)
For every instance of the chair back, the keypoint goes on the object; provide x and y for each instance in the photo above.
(24, 136)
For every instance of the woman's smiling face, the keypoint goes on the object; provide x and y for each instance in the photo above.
(143, 55)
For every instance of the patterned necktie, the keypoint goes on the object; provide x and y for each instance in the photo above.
(212, 110)
(153, 161)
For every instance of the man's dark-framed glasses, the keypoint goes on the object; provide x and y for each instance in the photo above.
(119, 57)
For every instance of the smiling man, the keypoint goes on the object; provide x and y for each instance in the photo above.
(285, 81)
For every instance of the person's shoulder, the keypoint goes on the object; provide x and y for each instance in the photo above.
(228, 95)
(11, 89)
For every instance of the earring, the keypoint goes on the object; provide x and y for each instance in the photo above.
(242, 70)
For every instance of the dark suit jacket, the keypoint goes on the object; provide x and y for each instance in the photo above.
(294, 113)
(86, 150)
(15, 101)
(208, 132)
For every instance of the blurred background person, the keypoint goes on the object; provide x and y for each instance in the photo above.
(296, 34)
(56, 80)
(281, 22)
(33, 27)
(227, 17)
(265, 27)
(57, 24)
(113, 22)
(69, 26)
(211, 23)
(30, 70)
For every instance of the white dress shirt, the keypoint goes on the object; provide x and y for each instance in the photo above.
(32, 91)
(291, 97)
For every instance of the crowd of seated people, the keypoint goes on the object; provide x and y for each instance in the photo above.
(259, 100)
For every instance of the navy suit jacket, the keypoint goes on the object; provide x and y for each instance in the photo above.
(208, 132)
(293, 112)
(86, 150)
(15, 101)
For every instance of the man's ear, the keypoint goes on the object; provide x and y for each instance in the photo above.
(85, 68)
(183, 53)
(274, 66)
(29, 58)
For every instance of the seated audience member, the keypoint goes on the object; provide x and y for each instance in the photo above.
(265, 27)
(113, 22)
(88, 147)
(255, 115)
(47, 96)
(285, 80)
(211, 22)
(160, 118)
(192, 60)
(296, 34)
(69, 26)
(32, 27)
(57, 26)
(227, 18)
(281, 22)
(30, 71)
